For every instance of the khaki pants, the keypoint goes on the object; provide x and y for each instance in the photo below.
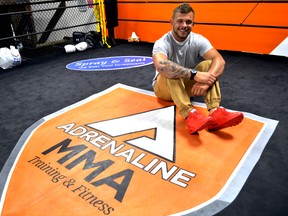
(179, 91)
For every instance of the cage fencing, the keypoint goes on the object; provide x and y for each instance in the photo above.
(39, 27)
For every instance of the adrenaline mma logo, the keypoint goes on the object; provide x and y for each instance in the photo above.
(110, 155)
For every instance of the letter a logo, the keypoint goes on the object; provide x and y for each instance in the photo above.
(162, 121)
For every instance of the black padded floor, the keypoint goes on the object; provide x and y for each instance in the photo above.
(252, 83)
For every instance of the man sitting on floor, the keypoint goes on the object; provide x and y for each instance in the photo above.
(181, 73)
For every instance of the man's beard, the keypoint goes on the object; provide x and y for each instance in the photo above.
(181, 35)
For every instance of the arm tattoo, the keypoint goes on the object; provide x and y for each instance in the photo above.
(173, 70)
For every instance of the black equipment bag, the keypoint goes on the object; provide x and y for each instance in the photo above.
(92, 38)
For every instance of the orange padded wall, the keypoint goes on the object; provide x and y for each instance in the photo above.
(250, 26)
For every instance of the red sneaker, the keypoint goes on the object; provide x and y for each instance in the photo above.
(196, 122)
(222, 119)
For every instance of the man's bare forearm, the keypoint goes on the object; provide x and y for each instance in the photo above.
(172, 70)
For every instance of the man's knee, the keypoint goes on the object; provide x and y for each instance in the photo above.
(204, 65)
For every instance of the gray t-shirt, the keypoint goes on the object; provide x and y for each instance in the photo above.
(187, 53)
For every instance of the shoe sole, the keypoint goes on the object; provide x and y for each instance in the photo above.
(208, 123)
(231, 123)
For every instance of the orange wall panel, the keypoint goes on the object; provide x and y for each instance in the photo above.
(219, 21)
(247, 39)
(228, 13)
(269, 14)
(234, 13)
(160, 12)
(148, 32)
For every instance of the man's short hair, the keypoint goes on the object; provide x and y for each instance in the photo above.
(183, 8)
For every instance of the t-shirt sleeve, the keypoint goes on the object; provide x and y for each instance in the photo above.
(160, 47)
(203, 44)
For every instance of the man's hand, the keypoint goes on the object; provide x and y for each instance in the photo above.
(199, 89)
(205, 77)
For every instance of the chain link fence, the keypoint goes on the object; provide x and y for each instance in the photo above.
(39, 27)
